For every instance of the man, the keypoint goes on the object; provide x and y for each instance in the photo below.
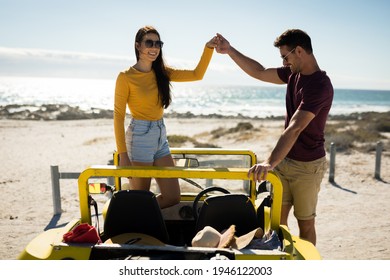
(299, 155)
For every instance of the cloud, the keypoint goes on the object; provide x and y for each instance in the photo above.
(190, 64)
(53, 63)
(20, 53)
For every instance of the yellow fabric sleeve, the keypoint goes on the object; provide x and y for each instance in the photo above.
(197, 74)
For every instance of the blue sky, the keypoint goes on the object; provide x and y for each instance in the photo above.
(95, 38)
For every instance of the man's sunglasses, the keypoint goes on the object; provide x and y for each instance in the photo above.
(285, 58)
(153, 44)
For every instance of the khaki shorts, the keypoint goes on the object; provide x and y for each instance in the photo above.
(301, 184)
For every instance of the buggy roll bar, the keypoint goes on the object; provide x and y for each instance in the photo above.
(175, 172)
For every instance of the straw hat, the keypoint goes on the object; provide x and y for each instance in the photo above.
(134, 238)
(210, 237)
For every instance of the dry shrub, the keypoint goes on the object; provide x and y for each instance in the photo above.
(240, 127)
(179, 140)
(360, 131)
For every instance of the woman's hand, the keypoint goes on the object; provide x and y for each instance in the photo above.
(213, 43)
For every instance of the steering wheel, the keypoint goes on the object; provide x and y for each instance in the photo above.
(202, 193)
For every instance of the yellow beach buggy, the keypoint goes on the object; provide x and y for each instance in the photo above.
(221, 215)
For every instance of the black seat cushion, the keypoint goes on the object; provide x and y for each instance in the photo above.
(135, 211)
(220, 212)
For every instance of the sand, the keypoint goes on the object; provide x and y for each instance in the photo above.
(353, 221)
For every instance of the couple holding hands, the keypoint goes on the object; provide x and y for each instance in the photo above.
(299, 154)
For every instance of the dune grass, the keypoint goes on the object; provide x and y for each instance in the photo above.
(360, 131)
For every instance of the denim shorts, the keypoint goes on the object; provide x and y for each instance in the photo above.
(146, 141)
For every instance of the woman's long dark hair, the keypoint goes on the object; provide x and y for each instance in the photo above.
(163, 82)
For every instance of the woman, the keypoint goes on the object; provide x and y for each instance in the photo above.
(145, 89)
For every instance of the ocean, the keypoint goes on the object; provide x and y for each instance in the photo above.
(248, 101)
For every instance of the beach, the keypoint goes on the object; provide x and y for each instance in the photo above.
(353, 220)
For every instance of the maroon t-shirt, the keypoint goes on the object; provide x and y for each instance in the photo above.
(313, 93)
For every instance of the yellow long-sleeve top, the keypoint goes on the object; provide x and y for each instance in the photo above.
(138, 90)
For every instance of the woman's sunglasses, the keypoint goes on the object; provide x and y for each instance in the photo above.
(153, 44)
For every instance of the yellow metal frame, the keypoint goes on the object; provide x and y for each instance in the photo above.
(215, 151)
(185, 172)
(175, 172)
(202, 151)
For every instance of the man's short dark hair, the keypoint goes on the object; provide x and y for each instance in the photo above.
(293, 38)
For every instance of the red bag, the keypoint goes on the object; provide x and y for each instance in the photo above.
(83, 233)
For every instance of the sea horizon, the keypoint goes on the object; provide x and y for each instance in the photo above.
(187, 98)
